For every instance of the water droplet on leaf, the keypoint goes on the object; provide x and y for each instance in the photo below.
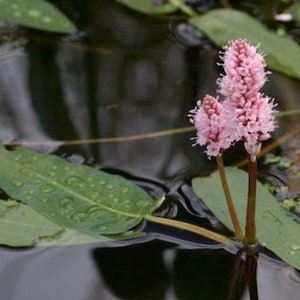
(17, 183)
(75, 181)
(34, 13)
(79, 217)
(66, 201)
(124, 189)
(47, 188)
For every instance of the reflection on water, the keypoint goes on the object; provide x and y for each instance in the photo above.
(132, 78)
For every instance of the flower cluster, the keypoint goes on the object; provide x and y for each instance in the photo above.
(245, 114)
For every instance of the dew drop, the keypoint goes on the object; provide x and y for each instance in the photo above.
(295, 247)
(67, 202)
(142, 203)
(109, 186)
(34, 13)
(25, 170)
(79, 217)
(102, 228)
(17, 183)
(75, 181)
(124, 189)
(47, 19)
(95, 195)
(128, 233)
(47, 188)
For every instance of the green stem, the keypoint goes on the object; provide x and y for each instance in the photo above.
(290, 112)
(250, 229)
(189, 227)
(230, 204)
(184, 8)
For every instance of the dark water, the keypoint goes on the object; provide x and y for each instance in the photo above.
(126, 74)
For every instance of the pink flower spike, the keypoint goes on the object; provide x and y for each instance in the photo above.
(209, 119)
(244, 70)
(252, 111)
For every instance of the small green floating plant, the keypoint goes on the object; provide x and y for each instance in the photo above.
(244, 115)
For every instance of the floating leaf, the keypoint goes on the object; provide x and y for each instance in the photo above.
(294, 10)
(223, 25)
(21, 226)
(73, 237)
(37, 14)
(275, 230)
(74, 196)
(149, 6)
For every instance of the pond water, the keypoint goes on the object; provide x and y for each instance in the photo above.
(127, 75)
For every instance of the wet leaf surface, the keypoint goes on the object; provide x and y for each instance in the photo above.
(74, 196)
(223, 25)
(275, 229)
(21, 226)
(150, 6)
(38, 14)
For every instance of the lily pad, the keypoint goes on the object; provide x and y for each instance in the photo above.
(275, 229)
(38, 14)
(149, 6)
(74, 196)
(223, 25)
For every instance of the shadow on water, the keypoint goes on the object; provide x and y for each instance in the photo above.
(127, 75)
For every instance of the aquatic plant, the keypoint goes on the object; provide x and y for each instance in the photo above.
(244, 114)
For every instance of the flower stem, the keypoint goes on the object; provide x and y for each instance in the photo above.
(232, 211)
(250, 229)
(189, 227)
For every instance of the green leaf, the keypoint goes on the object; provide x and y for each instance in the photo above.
(223, 25)
(21, 226)
(294, 10)
(275, 230)
(72, 237)
(74, 196)
(149, 6)
(38, 14)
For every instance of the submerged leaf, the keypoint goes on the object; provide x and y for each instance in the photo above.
(223, 25)
(275, 230)
(74, 196)
(150, 6)
(38, 14)
(21, 226)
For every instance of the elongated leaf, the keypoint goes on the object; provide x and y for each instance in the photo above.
(73, 237)
(149, 6)
(21, 226)
(223, 25)
(37, 14)
(74, 196)
(275, 230)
